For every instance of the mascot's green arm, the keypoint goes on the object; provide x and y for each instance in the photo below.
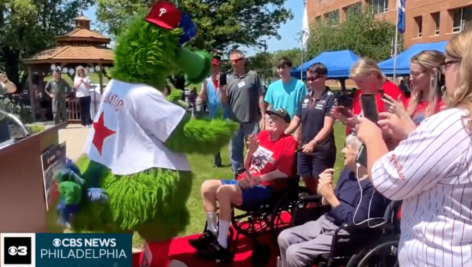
(201, 136)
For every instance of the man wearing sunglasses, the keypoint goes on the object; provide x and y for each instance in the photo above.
(244, 95)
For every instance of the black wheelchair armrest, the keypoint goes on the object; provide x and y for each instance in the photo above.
(310, 198)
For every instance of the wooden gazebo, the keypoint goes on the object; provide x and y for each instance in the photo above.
(79, 47)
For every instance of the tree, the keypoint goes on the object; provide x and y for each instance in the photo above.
(262, 63)
(220, 24)
(295, 55)
(29, 26)
(360, 32)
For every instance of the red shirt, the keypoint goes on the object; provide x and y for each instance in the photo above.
(271, 156)
(388, 88)
(420, 112)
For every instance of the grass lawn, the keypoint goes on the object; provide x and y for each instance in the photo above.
(202, 167)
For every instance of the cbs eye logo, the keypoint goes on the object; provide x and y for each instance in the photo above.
(20, 251)
(17, 250)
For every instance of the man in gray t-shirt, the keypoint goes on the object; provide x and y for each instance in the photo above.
(244, 95)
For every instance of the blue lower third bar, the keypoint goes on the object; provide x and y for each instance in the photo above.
(78, 249)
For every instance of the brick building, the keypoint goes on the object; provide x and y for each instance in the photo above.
(426, 20)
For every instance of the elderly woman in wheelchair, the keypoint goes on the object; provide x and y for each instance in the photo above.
(270, 158)
(350, 203)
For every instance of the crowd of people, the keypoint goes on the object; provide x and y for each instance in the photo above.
(418, 152)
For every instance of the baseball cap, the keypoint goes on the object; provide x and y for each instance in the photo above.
(282, 113)
(165, 15)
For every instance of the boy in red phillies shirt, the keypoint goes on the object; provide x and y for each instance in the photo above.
(370, 80)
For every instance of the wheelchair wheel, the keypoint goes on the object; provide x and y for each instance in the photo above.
(384, 255)
(252, 223)
(282, 214)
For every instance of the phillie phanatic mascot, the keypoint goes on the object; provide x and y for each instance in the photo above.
(135, 175)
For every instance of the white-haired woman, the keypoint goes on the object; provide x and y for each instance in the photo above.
(82, 86)
(430, 170)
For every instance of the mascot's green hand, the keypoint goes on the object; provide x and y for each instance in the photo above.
(68, 175)
(71, 192)
(201, 136)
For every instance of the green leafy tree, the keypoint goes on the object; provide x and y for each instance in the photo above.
(295, 55)
(29, 26)
(262, 63)
(220, 24)
(361, 32)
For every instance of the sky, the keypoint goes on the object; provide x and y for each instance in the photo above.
(288, 31)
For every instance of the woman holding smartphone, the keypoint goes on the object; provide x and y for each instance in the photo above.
(426, 99)
(318, 149)
(430, 169)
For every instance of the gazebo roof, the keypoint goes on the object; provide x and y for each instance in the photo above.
(80, 45)
(73, 54)
(82, 34)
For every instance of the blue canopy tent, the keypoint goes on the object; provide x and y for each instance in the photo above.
(403, 59)
(338, 63)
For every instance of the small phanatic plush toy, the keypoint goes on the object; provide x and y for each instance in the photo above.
(135, 175)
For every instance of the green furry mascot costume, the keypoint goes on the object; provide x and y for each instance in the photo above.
(135, 176)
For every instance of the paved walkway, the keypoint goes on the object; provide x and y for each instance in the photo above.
(74, 136)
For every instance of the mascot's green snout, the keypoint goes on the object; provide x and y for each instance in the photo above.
(135, 175)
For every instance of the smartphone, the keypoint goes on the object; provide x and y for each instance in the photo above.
(362, 156)
(343, 100)
(369, 107)
(344, 111)
(222, 78)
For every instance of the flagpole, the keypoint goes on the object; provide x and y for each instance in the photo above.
(396, 42)
(302, 38)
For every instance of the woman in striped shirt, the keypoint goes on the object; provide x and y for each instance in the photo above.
(431, 170)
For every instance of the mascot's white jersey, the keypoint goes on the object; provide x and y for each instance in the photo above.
(130, 128)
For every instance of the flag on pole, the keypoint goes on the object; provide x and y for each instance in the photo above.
(401, 16)
(306, 29)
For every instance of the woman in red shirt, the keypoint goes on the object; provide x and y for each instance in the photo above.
(370, 80)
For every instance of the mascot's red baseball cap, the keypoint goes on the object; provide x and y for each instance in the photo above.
(164, 15)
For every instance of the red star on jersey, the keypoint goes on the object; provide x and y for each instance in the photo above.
(101, 133)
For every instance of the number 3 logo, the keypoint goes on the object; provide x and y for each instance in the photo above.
(22, 251)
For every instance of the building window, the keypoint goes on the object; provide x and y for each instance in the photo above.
(353, 9)
(332, 17)
(419, 25)
(437, 22)
(379, 6)
(320, 2)
(462, 18)
(318, 19)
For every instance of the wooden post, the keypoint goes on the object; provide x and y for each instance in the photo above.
(100, 78)
(31, 93)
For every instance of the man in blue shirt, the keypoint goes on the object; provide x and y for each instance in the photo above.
(350, 203)
(286, 93)
(210, 94)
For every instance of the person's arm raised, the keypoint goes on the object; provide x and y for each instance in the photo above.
(203, 92)
(433, 151)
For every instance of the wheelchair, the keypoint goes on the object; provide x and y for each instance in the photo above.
(356, 245)
(270, 218)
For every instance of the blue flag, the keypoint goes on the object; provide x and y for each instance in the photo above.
(401, 15)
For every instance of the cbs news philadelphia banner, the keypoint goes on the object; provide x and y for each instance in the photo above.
(31, 250)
